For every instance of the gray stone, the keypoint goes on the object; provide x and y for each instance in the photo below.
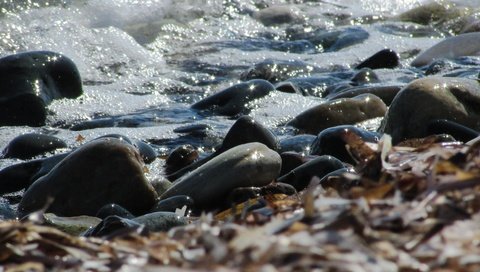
(251, 164)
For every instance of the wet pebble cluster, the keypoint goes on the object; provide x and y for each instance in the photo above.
(106, 177)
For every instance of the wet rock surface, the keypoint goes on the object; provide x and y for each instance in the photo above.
(100, 172)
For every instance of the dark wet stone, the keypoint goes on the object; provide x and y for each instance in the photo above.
(100, 172)
(439, 66)
(242, 194)
(244, 130)
(330, 142)
(276, 15)
(365, 76)
(297, 143)
(247, 130)
(385, 93)
(301, 176)
(386, 58)
(20, 176)
(180, 157)
(430, 98)
(6, 211)
(113, 225)
(161, 184)
(160, 221)
(292, 160)
(330, 40)
(278, 188)
(279, 70)
(307, 86)
(195, 129)
(456, 130)
(252, 164)
(30, 81)
(344, 111)
(335, 180)
(91, 124)
(113, 209)
(29, 145)
(299, 46)
(146, 151)
(173, 203)
(235, 99)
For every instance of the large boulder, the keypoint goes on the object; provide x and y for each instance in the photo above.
(103, 171)
(431, 98)
(29, 81)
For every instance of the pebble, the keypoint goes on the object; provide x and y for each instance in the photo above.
(173, 203)
(301, 176)
(235, 99)
(244, 130)
(100, 172)
(450, 48)
(430, 98)
(342, 111)
(252, 164)
(330, 142)
(113, 209)
(23, 101)
(29, 145)
(385, 58)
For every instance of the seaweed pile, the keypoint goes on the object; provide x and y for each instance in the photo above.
(409, 207)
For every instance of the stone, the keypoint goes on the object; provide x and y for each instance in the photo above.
(252, 164)
(385, 93)
(278, 70)
(98, 173)
(385, 58)
(180, 157)
(29, 81)
(20, 176)
(235, 99)
(173, 203)
(276, 15)
(365, 76)
(330, 142)
(113, 209)
(431, 98)
(29, 145)
(301, 176)
(456, 130)
(244, 130)
(467, 44)
(297, 143)
(160, 221)
(344, 111)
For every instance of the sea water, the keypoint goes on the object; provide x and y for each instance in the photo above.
(143, 63)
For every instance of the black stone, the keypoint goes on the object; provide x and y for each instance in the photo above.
(235, 99)
(456, 130)
(29, 81)
(385, 58)
(301, 176)
(173, 203)
(330, 142)
(179, 158)
(113, 209)
(29, 145)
